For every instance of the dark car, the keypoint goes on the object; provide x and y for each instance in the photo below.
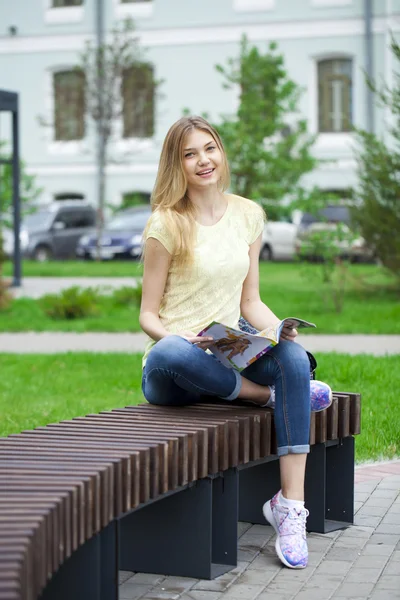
(53, 230)
(121, 238)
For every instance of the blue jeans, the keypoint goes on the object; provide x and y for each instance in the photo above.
(177, 373)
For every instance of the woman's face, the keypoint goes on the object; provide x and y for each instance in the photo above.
(202, 159)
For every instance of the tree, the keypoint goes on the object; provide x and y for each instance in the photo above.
(112, 72)
(377, 195)
(29, 191)
(114, 83)
(267, 143)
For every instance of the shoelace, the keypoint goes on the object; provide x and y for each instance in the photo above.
(297, 520)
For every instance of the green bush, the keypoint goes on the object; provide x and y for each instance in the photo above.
(128, 295)
(71, 303)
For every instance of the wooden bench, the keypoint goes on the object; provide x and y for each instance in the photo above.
(154, 489)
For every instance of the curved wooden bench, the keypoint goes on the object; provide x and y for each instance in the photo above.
(81, 498)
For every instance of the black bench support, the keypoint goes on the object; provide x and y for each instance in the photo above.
(90, 573)
(192, 533)
(329, 486)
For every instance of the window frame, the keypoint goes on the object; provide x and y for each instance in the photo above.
(143, 9)
(253, 5)
(347, 113)
(54, 15)
(331, 142)
(138, 137)
(59, 147)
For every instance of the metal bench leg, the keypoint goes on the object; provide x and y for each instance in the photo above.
(329, 489)
(257, 484)
(191, 533)
(90, 573)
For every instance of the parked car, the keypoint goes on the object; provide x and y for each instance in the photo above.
(349, 246)
(53, 231)
(278, 241)
(121, 238)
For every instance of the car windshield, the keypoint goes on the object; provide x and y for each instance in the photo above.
(332, 214)
(38, 220)
(129, 221)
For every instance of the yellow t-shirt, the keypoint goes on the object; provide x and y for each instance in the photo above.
(211, 289)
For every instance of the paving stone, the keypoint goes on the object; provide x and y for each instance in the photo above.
(361, 496)
(201, 595)
(385, 493)
(284, 587)
(147, 578)
(370, 562)
(293, 575)
(319, 544)
(124, 576)
(394, 509)
(330, 582)
(378, 502)
(255, 539)
(152, 595)
(270, 596)
(379, 549)
(385, 595)
(258, 576)
(343, 553)
(333, 567)
(351, 542)
(357, 505)
(391, 518)
(132, 591)
(248, 553)
(389, 582)
(372, 511)
(361, 531)
(351, 590)
(314, 594)
(392, 568)
(391, 528)
(367, 520)
(384, 539)
(220, 584)
(265, 560)
(243, 591)
(314, 558)
(370, 575)
(243, 527)
(180, 584)
(261, 529)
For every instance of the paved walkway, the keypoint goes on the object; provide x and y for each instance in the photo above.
(54, 342)
(360, 563)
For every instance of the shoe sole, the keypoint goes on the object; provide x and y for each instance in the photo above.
(267, 511)
(327, 406)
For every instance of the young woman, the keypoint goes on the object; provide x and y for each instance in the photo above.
(200, 265)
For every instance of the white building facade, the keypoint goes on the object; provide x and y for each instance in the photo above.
(327, 45)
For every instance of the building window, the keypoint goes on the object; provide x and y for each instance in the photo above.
(69, 105)
(68, 196)
(335, 95)
(138, 9)
(65, 3)
(253, 5)
(138, 101)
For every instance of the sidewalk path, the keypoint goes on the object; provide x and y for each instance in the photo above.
(359, 563)
(35, 287)
(54, 342)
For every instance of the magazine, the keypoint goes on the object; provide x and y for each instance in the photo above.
(239, 349)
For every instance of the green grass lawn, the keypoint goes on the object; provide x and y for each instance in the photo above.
(40, 389)
(76, 268)
(290, 289)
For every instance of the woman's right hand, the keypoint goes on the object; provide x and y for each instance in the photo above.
(200, 341)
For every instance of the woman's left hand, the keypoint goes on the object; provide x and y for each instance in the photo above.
(289, 333)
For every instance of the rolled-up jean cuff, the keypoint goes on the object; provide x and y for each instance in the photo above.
(284, 450)
(238, 387)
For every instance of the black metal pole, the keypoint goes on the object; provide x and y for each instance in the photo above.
(16, 199)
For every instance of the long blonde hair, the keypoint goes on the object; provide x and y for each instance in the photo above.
(169, 198)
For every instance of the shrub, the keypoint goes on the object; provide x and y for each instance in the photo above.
(127, 295)
(71, 303)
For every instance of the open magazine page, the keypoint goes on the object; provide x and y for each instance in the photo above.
(239, 349)
(235, 348)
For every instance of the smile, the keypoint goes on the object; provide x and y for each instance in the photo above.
(205, 173)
